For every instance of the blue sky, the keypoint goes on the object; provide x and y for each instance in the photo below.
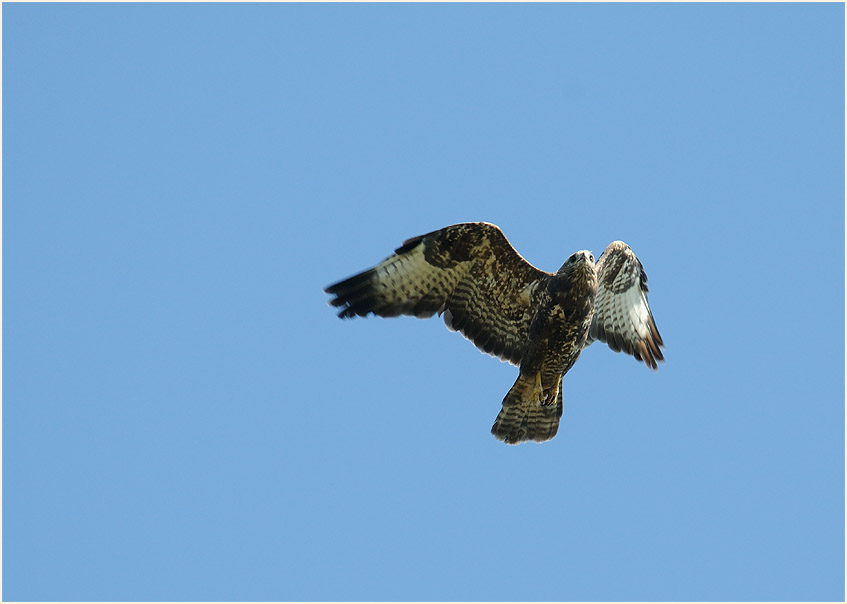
(185, 418)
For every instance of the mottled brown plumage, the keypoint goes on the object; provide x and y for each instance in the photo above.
(508, 308)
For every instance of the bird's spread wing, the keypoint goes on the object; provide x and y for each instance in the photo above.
(622, 317)
(469, 272)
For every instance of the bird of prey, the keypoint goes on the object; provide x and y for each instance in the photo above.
(540, 321)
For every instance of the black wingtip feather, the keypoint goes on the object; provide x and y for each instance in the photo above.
(655, 331)
(350, 283)
(355, 294)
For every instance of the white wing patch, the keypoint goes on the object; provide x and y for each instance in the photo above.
(622, 317)
(404, 280)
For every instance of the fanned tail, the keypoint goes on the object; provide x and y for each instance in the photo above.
(523, 417)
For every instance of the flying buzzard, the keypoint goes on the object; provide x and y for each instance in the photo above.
(540, 321)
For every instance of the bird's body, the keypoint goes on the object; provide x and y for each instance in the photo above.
(557, 334)
(508, 308)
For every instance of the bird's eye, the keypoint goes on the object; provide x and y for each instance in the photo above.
(592, 257)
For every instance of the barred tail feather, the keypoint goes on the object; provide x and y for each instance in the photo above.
(523, 418)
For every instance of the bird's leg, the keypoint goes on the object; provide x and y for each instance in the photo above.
(549, 395)
(538, 389)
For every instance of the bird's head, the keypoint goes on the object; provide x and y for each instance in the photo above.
(577, 270)
(579, 261)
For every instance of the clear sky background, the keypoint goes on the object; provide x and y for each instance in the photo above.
(186, 418)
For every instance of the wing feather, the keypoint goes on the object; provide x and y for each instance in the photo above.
(469, 271)
(622, 317)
